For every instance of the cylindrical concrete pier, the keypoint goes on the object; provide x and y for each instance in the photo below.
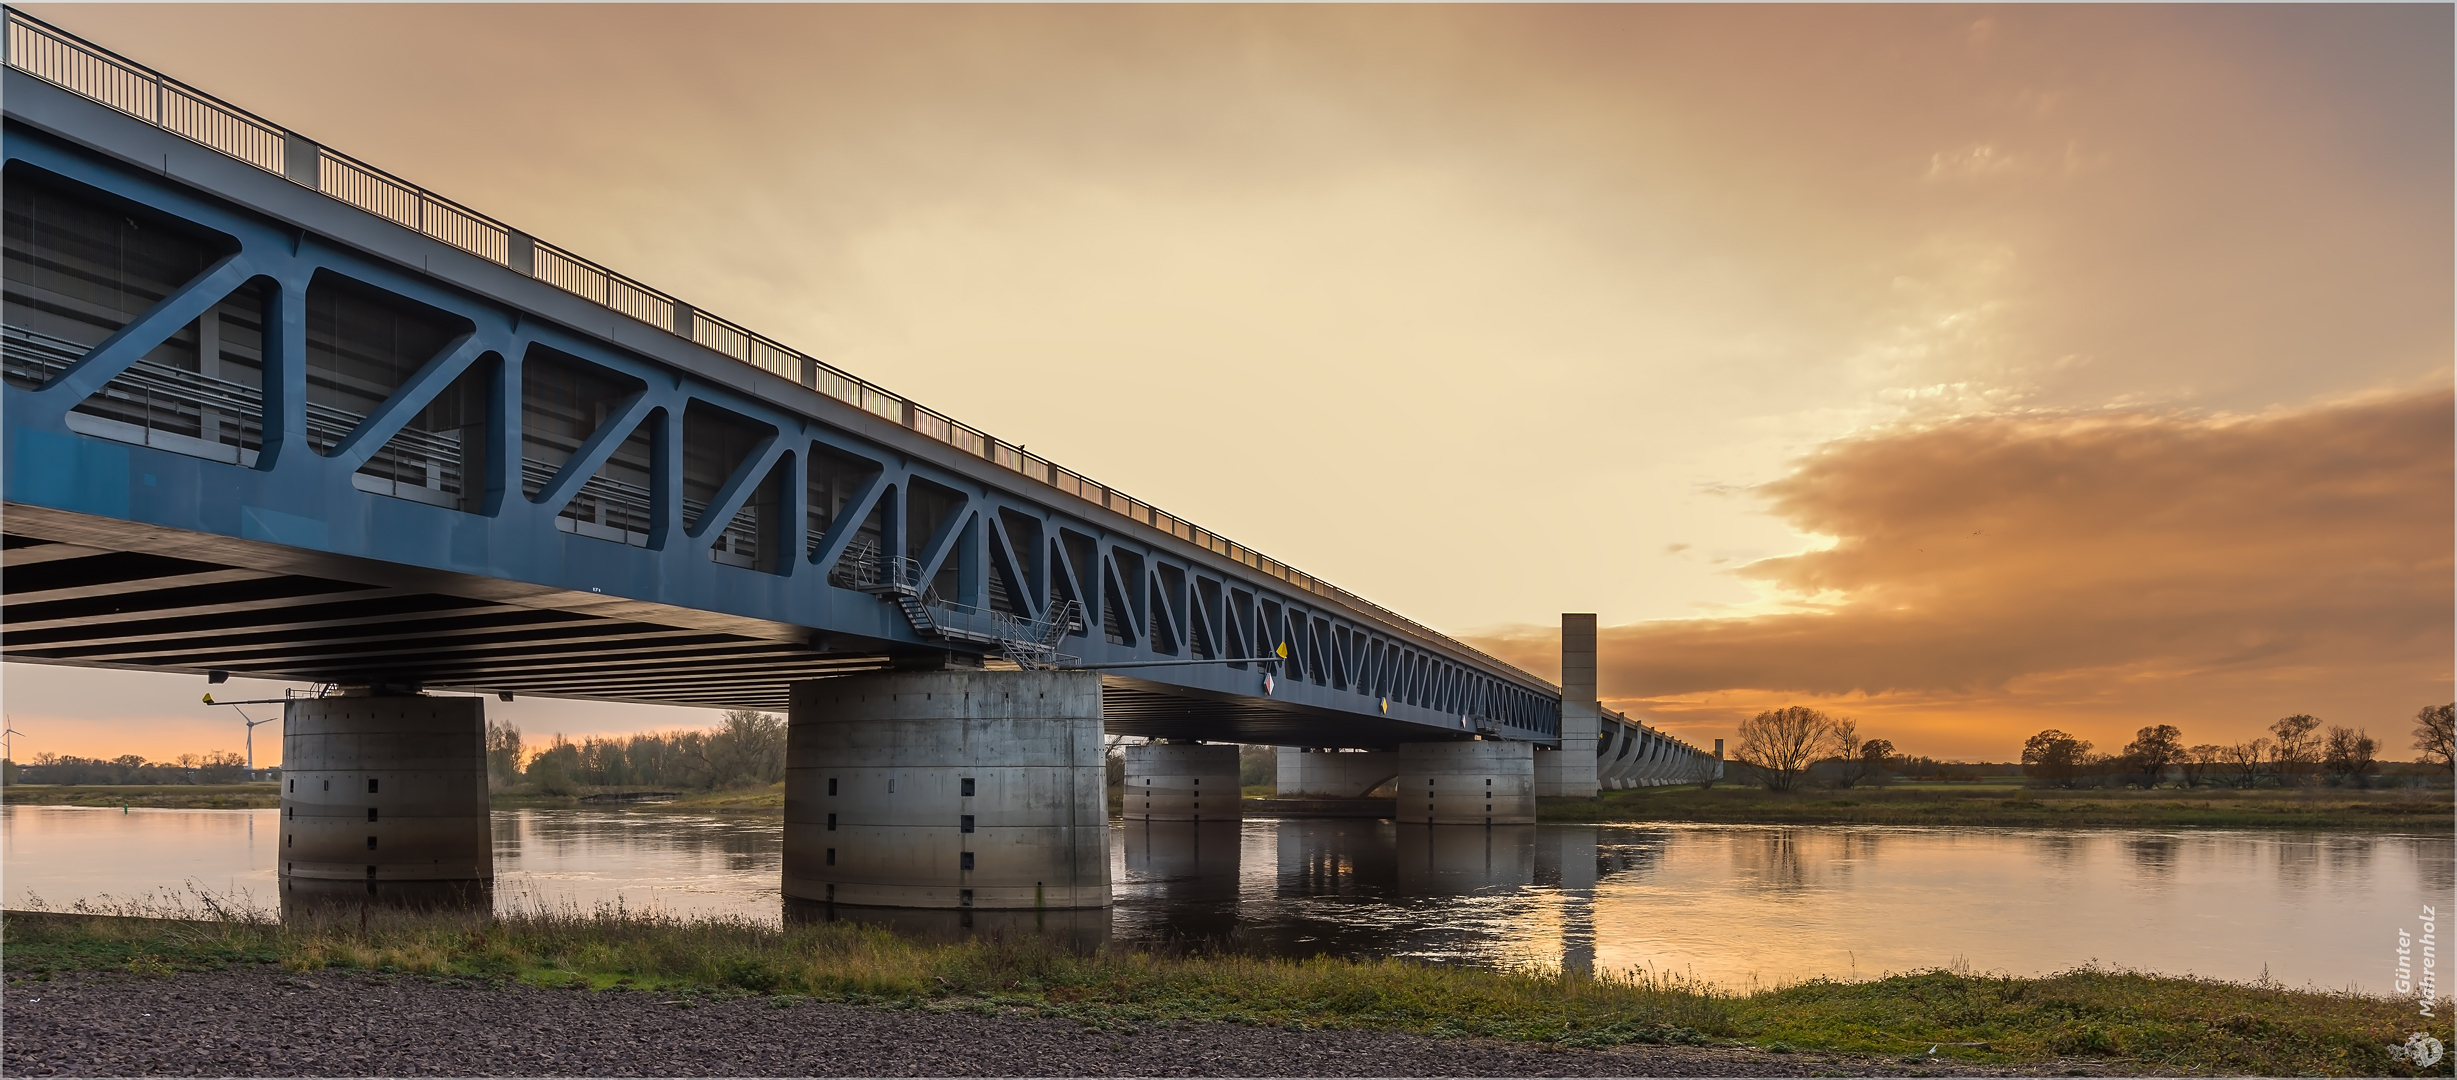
(1170, 781)
(1333, 775)
(385, 797)
(947, 789)
(1490, 782)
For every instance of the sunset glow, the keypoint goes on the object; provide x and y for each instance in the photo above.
(1965, 370)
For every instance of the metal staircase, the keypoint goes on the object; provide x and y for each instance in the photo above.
(1029, 643)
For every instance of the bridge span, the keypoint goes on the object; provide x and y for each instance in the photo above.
(270, 410)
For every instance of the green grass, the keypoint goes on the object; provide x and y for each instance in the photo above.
(2140, 1021)
(155, 796)
(2010, 803)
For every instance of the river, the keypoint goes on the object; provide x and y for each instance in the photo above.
(1738, 906)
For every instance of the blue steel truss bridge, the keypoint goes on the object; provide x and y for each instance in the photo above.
(271, 410)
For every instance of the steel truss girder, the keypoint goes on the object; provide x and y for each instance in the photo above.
(1360, 680)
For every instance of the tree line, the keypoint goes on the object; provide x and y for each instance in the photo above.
(745, 749)
(1787, 746)
(2298, 751)
(218, 767)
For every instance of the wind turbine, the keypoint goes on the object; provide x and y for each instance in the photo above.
(251, 737)
(5, 732)
(251, 724)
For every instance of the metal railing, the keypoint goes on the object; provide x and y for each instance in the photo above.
(605, 508)
(218, 417)
(864, 567)
(81, 67)
(1028, 642)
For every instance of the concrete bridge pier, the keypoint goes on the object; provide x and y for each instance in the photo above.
(1485, 782)
(959, 791)
(1304, 771)
(1170, 781)
(384, 799)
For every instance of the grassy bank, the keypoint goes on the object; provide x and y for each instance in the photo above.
(2010, 803)
(2145, 1022)
(156, 796)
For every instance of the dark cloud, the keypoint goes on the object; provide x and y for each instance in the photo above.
(2106, 570)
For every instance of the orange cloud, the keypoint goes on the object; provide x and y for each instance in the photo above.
(1994, 575)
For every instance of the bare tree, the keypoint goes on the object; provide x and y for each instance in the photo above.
(2297, 751)
(2200, 763)
(2348, 754)
(2250, 760)
(2055, 757)
(2435, 729)
(1843, 740)
(2152, 750)
(1781, 744)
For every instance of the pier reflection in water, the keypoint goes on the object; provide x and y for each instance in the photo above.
(1505, 895)
(1733, 904)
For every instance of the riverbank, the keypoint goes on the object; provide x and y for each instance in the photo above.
(2003, 803)
(2108, 1021)
(148, 796)
(2428, 810)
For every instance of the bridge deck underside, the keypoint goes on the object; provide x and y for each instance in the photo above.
(137, 610)
(1158, 711)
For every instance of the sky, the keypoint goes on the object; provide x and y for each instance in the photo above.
(1966, 370)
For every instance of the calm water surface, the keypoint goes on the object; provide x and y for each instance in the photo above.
(1738, 905)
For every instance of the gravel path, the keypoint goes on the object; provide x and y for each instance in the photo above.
(265, 1022)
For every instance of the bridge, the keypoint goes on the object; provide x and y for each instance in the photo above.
(271, 410)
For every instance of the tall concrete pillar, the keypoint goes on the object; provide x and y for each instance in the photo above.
(385, 797)
(1571, 770)
(947, 789)
(1467, 783)
(1334, 775)
(1176, 781)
